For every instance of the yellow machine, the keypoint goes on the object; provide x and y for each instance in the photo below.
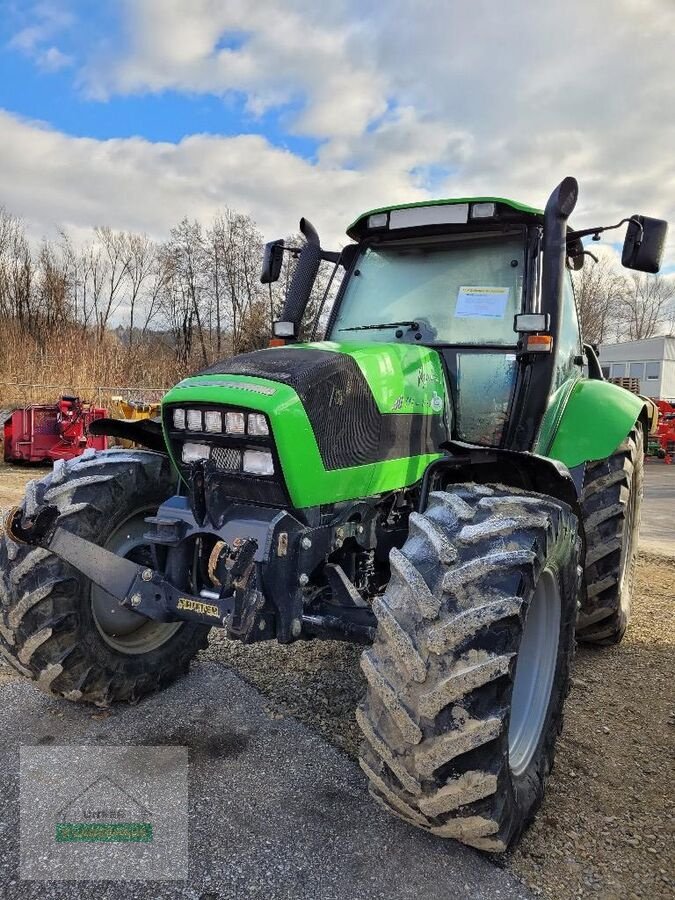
(132, 409)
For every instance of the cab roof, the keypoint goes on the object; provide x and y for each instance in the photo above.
(360, 225)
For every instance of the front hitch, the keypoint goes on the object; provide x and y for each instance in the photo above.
(137, 588)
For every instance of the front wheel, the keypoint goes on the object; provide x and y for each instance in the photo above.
(469, 671)
(67, 634)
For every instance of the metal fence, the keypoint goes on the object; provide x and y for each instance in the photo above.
(17, 393)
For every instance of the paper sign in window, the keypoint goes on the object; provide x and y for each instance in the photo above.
(482, 302)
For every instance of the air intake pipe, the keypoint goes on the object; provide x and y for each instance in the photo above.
(559, 208)
(300, 289)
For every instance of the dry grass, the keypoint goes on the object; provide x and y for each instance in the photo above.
(72, 360)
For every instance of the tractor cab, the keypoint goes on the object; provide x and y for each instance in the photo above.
(484, 281)
(454, 276)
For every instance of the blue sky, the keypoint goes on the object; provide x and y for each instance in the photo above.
(135, 113)
(53, 91)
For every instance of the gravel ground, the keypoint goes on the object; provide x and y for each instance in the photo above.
(607, 825)
(275, 813)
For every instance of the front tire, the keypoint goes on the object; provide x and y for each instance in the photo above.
(469, 671)
(62, 631)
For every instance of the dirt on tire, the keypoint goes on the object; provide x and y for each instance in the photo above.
(443, 670)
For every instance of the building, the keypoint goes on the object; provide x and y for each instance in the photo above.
(652, 361)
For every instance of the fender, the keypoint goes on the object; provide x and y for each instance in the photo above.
(527, 471)
(147, 432)
(590, 423)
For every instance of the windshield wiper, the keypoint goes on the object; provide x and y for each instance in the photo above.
(381, 325)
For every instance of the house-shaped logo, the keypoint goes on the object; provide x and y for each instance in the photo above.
(103, 812)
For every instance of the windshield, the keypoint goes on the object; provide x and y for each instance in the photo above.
(465, 292)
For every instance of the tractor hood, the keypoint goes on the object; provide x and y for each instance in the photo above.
(347, 420)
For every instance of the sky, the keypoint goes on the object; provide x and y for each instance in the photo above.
(135, 113)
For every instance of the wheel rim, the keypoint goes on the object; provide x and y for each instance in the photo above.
(122, 629)
(535, 671)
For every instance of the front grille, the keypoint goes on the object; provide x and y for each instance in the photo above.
(226, 459)
(223, 469)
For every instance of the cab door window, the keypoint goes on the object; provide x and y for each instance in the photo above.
(568, 348)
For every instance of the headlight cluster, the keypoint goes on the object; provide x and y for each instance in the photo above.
(256, 462)
(213, 421)
(230, 423)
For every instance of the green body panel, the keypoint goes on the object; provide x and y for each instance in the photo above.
(519, 207)
(587, 420)
(404, 378)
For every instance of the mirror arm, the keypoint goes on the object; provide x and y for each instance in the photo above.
(332, 256)
(596, 232)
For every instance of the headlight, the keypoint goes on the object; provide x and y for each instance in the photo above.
(258, 462)
(257, 425)
(235, 423)
(213, 421)
(192, 451)
(194, 419)
(179, 419)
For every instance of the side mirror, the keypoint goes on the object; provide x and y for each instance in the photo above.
(272, 259)
(644, 243)
(575, 254)
(348, 255)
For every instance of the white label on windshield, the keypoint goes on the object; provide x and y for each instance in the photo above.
(482, 302)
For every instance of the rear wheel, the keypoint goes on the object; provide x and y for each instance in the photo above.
(66, 633)
(611, 502)
(469, 670)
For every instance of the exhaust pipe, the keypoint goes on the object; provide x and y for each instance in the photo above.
(559, 208)
(300, 289)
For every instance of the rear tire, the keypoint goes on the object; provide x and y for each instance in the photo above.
(55, 626)
(611, 501)
(469, 671)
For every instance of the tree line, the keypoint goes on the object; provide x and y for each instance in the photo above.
(618, 305)
(120, 308)
(161, 308)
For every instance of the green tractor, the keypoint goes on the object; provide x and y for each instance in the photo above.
(437, 479)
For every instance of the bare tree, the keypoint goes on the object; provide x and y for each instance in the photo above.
(52, 288)
(17, 272)
(155, 287)
(186, 247)
(115, 254)
(236, 252)
(598, 288)
(141, 264)
(645, 305)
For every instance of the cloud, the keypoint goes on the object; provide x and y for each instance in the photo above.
(283, 54)
(501, 97)
(53, 60)
(49, 19)
(407, 99)
(52, 179)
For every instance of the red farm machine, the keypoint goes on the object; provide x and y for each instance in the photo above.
(47, 432)
(664, 439)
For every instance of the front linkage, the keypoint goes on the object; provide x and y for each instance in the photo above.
(256, 571)
(257, 566)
